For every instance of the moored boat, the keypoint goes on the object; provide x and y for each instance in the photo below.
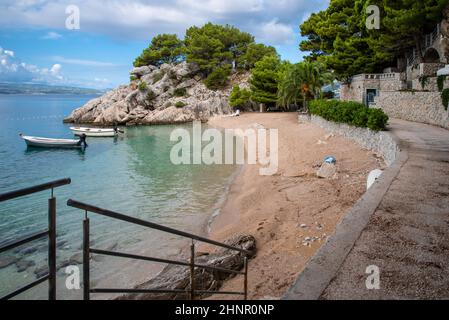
(53, 143)
(95, 132)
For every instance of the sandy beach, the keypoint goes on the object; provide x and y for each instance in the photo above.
(292, 213)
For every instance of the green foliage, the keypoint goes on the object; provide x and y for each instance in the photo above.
(423, 80)
(180, 104)
(218, 78)
(301, 82)
(213, 46)
(440, 82)
(158, 76)
(132, 78)
(239, 98)
(151, 96)
(339, 37)
(264, 80)
(181, 92)
(445, 98)
(164, 48)
(142, 86)
(349, 112)
(254, 53)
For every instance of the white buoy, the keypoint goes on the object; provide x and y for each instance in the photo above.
(372, 177)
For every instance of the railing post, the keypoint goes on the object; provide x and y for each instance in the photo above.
(86, 262)
(52, 248)
(245, 265)
(192, 271)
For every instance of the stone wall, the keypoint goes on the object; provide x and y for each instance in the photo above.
(424, 107)
(382, 143)
(431, 85)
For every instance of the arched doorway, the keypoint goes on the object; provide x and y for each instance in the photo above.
(432, 56)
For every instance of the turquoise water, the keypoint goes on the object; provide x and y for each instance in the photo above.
(131, 174)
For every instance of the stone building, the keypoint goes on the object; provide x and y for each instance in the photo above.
(409, 90)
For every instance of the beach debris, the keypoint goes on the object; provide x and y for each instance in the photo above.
(327, 171)
(329, 136)
(303, 226)
(178, 277)
(330, 160)
(320, 142)
(372, 177)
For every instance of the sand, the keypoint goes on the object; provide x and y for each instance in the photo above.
(292, 213)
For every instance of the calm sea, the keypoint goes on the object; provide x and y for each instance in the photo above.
(131, 174)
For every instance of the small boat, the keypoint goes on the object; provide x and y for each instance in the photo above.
(54, 143)
(95, 132)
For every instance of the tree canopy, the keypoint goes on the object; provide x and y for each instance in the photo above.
(164, 48)
(264, 80)
(338, 36)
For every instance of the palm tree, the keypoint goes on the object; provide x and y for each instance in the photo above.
(302, 82)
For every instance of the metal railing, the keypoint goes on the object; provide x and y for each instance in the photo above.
(87, 250)
(50, 232)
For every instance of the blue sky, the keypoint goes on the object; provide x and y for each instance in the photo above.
(36, 46)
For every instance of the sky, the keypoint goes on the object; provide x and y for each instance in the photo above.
(41, 41)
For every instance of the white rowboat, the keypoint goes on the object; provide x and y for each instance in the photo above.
(51, 143)
(94, 132)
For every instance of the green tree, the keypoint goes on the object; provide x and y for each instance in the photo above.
(218, 78)
(254, 53)
(213, 46)
(164, 48)
(264, 80)
(239, 98)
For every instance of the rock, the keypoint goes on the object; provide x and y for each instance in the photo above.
(303, 226)
(178, 277)
(155, 102)
(22, 265)
(7, 260)
(141, 71)
(327, 171)
(41, 271)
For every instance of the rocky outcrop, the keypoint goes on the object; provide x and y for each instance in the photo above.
(178, 277)
(165, 95)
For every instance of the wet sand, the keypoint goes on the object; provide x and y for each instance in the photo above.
(291, 213)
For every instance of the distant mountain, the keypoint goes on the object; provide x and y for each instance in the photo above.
(19, 88)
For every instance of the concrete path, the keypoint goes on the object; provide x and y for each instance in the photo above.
(406, 235)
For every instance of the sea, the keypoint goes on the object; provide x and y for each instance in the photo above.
(131, 174)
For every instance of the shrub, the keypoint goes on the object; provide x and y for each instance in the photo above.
(181, 92)
(239, 98)
(132, 78)
(142, 86)
(440, 82)
(151, 95)
(349, 112)
(218, 78)
(180, 104)
(445, 98)
(158, 77)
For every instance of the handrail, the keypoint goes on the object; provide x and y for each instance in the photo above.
(143, 223)
(34, 189)
(50, 233)
(87, 250)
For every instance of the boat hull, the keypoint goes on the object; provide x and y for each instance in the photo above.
(38, 142)
(91, 132)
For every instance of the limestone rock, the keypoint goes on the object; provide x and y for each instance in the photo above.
(178, 277)
(154, 104)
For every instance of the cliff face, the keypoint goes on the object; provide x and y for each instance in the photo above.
(166, 95)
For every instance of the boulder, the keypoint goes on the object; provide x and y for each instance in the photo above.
(7, 260)
(141, 71)
(178, 277)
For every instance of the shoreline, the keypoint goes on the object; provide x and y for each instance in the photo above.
(275, 209)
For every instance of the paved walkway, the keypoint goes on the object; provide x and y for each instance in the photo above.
(406, 234)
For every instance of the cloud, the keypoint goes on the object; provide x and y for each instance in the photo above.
(14, 70)
(142, 19)
(80, 62)
(277, 33)
(52, 36)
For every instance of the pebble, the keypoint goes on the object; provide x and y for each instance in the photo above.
(303, 225)
(23, 265)
(7, 260)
